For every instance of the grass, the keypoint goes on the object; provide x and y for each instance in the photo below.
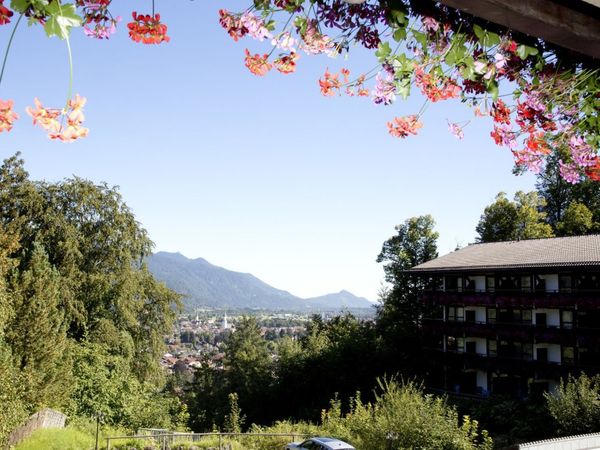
(58, 439)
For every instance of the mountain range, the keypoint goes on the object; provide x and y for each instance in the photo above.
(205, 285)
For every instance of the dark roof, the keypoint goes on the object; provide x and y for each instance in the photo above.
(575, 251)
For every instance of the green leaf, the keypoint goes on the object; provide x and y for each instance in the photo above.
(383, 51)
(479, 32)
(403, 88)
(421, 38)
(492, 88)
(492, 38)
(400, 34)
(61, 19)
(523, 51)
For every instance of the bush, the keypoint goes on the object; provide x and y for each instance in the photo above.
(57, 439)
(575, 407)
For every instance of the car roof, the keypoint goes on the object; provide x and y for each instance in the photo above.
(331, 442)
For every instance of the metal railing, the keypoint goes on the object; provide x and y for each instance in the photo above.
(169, 440)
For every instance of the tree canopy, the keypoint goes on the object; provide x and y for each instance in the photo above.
(506, 220)
(80, 309)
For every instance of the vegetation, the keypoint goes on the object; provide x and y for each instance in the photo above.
(82, 320)
(575, 407)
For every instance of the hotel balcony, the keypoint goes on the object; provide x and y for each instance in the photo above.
(512, 299)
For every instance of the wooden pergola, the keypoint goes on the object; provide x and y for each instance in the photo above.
(572, 24)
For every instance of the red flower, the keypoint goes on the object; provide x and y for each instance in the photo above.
(147, 29)
(404, 126)
(500, 112)
(258, 65)
(329, 83)
(435, 89)
(5, 14)
(287, 63)
(593, 172)
(232, 24)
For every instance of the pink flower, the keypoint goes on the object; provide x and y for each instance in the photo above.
(569, 172)
(430, 24)
(7, 115)
(69, 127)
(257, 64)
(385, 88)
(314, 41)
(500, 60)
(504, 135)
(582, 152)
(402, 127)
(456, 130)
(255, 26)
(102, 30)
(285, 42)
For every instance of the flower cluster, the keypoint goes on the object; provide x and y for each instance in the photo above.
(402, 127)
(62, 124)
(147, 29)
(98, 22)
(446, 56)
(7, 115)
(5, 14)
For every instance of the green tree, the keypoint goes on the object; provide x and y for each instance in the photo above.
(37, 333)
(575, 407)
(577, 220)
(400, 310)
(559, 194)
(74, 290)
(505, 220)
(248, 365)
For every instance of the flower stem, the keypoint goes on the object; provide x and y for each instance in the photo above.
(12, 35)
(70, 90)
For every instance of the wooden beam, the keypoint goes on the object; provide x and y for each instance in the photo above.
(574, 25)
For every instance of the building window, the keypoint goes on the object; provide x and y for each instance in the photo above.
(492, 348)
(460, 344)
(469, 284)
(568, 355)
(526, 283)
(451, 343)
(451, 315)
(526, 316)
(541, 319)
(507, 283)
(542, 354)
(564, 283)
(539, 284)
(566, 319)
(453, 284)
(527, 351)
(470, 316)
(491, 315)
(490, 284)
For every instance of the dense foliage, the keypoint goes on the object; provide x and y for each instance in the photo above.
(82, 320)
(446, 54)
(556, 208)
(575, 407)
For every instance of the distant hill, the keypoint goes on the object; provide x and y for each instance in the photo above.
(342, 299)
(206, 285)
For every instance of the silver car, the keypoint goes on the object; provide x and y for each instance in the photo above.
(320, 443)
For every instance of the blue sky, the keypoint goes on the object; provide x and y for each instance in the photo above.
(260, 175)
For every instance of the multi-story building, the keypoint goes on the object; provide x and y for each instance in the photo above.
(512, 317)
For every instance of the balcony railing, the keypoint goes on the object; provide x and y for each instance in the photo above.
(508, 299)
(519, 331)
